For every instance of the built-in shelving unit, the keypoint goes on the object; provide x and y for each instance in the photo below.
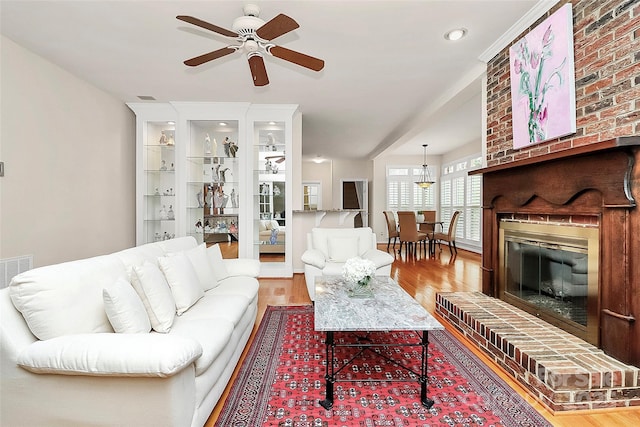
(218, 172)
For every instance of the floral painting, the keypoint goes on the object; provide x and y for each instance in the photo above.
(543, 81)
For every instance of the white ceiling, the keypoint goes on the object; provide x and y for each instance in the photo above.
(391, 81)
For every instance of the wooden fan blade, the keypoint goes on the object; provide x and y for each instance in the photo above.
(202, 24)
(258, 71)
(199, 60)
(278, 26)
(298, 58)
(280, 160)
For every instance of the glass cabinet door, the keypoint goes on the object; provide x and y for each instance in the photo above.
(213, 177)
(270, 168)
(159, 161)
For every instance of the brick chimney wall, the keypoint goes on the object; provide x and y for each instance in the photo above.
(607, 70)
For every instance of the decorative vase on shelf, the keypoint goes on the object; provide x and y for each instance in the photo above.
(207, 144)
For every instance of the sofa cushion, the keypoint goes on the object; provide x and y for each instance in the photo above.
(238, 285)
(125, 309)
(202, 266)
(217, 262)
(342, 248)
(146, 355)
(66, 298)
(320, 238)
(154, 291)
(213, 334)
(225, 307)
(183, 280)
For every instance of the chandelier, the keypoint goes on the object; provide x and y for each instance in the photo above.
(425, 177)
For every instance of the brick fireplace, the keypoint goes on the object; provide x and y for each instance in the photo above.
(589, 179)
(593, 185)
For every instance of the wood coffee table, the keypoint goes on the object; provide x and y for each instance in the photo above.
(389, 309)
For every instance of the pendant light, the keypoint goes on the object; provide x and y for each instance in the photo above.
(425, 178)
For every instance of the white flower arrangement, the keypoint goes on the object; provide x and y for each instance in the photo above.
(357, 269)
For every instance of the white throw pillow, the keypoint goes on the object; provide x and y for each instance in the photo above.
(342, 248)
(183, 280)
(217, 262)
(154, 291)
(125, 309)
(202, 266)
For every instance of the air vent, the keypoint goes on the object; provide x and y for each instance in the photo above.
(146, 97)
(10, 267)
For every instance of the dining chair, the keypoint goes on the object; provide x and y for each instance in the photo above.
(428, 226)
(429, 216)
(449, 236)
(409, 233)
(392, 228)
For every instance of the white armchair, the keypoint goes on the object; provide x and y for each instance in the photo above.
(329, 248)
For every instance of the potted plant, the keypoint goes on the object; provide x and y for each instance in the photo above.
(420, 216)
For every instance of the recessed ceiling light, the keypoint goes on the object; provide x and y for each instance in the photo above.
(456, 34)
(272, 123)
(171, 123)
(222, 123)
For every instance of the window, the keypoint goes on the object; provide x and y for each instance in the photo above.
(311, 196)
(402, 192)
(462, 192)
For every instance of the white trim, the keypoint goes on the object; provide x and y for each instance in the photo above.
(535, 13)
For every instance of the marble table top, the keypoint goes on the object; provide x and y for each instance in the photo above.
(391, 308)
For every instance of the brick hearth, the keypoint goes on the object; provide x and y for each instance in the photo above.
(560, 370)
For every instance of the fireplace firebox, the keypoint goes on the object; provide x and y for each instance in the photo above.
(551, 271)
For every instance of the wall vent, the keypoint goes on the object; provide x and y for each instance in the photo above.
(10, 267)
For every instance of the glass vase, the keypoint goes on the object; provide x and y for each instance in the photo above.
(361, 289)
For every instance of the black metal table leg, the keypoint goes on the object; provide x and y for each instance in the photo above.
(329, 376)
(426, 402)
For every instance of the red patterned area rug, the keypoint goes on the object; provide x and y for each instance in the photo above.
(281, 382)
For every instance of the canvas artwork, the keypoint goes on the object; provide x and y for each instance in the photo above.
(543, 81)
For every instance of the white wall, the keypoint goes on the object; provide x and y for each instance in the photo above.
(69, 152)
(466, 150)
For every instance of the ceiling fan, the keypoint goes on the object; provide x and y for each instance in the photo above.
(254, 37)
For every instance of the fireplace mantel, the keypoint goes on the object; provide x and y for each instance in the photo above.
(599, 184)
(557, 177)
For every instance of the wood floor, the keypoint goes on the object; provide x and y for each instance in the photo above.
(423, 278)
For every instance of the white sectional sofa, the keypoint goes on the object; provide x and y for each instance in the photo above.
(329, 248)
(100, 342)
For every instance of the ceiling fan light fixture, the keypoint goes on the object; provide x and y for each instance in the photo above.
(251, 46)
(455, 34)
(425, 176)
(254, 36)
